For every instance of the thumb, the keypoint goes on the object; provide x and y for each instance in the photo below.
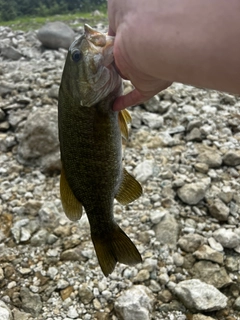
(130, 99)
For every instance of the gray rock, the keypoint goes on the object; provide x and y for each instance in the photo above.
(212, 158)
(209, 109)
(194, 135)
(201, 317)
(39, 143)
(56, 35)
(144, 170)
(31, 302)
(136, 120)
(211, 273)
(53, 91)
(227, 238)
(153, 121)
(197, 295)
(194, 124)
(232, 158)
(191, 242)
(201, 167)
(72, 313)
(219, 210)
(166, 140)
(85, 293)
(19, 315)
(11, 53)
(215, 245)
(192, 193)
(177, 129)
(157, 215)
(236, 305)
(207, 253)
(39, 238)
(189, 109)
(135, 303)
(232, 263)
(6, 87)
(142, 276)
(152, 105)
(167, 230)
(5, 312)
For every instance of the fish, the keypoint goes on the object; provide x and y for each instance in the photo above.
(90, 135)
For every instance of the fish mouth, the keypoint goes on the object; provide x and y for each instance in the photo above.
(102, 42)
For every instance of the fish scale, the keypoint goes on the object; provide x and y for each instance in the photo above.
(90, 144)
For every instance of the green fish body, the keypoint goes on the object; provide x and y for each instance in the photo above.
(90, 135)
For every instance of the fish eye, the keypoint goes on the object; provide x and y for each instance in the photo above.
(76, 55)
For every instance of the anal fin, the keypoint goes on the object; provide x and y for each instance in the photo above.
(71, 206)
(129, 190)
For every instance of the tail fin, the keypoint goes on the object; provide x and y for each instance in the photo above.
(114, 247)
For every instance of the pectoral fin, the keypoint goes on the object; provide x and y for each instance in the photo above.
(129, 190)
(124, 119)
(71, 206)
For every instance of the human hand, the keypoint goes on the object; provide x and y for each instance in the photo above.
(129, 60)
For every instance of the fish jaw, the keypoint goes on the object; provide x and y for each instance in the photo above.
(94, 74)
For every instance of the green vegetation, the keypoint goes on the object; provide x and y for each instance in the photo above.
(72, 19)
(15, 9)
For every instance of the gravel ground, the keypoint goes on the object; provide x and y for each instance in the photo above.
(183, 148)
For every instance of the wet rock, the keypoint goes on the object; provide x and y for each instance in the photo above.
(211, 273)
(197, 295)
(31, 302)
(39, 143)
(219, 210)
(191, 242)
(232, 158)
(192, 193)
(227, 238)
(167, 230)
(56, 35)
(135, 303)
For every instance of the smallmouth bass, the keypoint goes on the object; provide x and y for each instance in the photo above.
(90, 135)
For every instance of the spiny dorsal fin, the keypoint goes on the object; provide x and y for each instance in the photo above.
(124, 119)
(129, 190)
(71, 206)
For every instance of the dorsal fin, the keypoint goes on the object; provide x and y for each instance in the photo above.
(124, 119)
(129, 190)
(71, 206)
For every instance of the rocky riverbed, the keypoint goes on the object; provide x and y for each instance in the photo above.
(184, 149)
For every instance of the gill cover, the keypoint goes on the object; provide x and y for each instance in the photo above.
(90, 58)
